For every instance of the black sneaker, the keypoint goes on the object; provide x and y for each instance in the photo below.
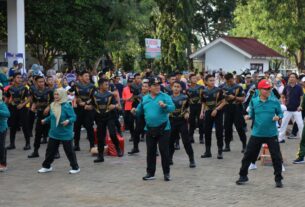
(171, 162)
(242, 180)
(11, 147)
(278, 184)
(219, 156)
(299, 160)
(133, 151)
(282, 141)
(76, 148)
(206, 155)
(167, 177)
(27, 147)
(149, 177)
(99, 159)
(226, 149)
(33, 155)
(192, 164)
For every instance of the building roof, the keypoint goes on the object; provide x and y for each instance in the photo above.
(249, 47)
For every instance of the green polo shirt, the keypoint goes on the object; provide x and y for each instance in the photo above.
(262, 113)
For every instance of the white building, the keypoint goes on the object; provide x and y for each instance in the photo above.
(236, 54)
(15, 29)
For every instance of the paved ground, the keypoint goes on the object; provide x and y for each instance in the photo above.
(118, 181)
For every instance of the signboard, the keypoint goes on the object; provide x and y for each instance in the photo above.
(152, 48)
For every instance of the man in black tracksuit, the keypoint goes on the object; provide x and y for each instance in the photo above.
(179, 125)
(84, 91)
(105, 104)
(17, 98)
(140, 121)
(41, 98)
(233, 112)
(212, 104)
(194, 94)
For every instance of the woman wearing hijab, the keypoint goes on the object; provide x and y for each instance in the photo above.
(61, 121)
(4, 115)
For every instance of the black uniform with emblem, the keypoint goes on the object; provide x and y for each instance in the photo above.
(179, 126)
(83, 93)
(211, 99)
(117, 123)
(17, 95)
(195, 95)
(104, 118)
(41, 99)
(233, 113)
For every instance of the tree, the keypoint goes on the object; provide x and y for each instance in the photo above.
(279, 24)
(174, 27)
(213, 18)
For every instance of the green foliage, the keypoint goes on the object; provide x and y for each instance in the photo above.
(213, 18)
(279, 24)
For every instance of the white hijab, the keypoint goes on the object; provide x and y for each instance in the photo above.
(56, 105)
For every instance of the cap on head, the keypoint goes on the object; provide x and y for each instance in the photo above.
(15, 62)
(154, 80)
(264, 84)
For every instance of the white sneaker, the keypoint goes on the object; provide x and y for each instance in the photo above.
(74, 171)
(45, 170)
(283, 168)
(252, 166)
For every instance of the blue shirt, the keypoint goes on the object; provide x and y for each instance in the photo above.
(262, 113)
(61, 132)
(293, 97)
(154, 114)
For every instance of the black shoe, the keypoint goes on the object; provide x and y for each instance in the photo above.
(167, 177)
(133, 151)
(149, 177)
(171, 162)
(44, 141)
(278, 184)
(99, 159)
(177, 146)
(76, 148)
(119, 152)
(206, 155)
(34, 155)
(201, 141)
(219, 156)
(27, 147)
(11, 147)
(299, 160)
(57, 155)
(242, 180)
(282, 141)
(226, 149)
(192, 164)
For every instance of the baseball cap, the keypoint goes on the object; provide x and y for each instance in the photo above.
(154, 80)
(15, 62)
(264, 84)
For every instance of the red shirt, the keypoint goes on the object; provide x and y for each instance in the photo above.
(127, 95)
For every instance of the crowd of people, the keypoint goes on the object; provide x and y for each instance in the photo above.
(160, 107)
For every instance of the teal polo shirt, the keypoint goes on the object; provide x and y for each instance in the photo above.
(154, 114)
(262, 113)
